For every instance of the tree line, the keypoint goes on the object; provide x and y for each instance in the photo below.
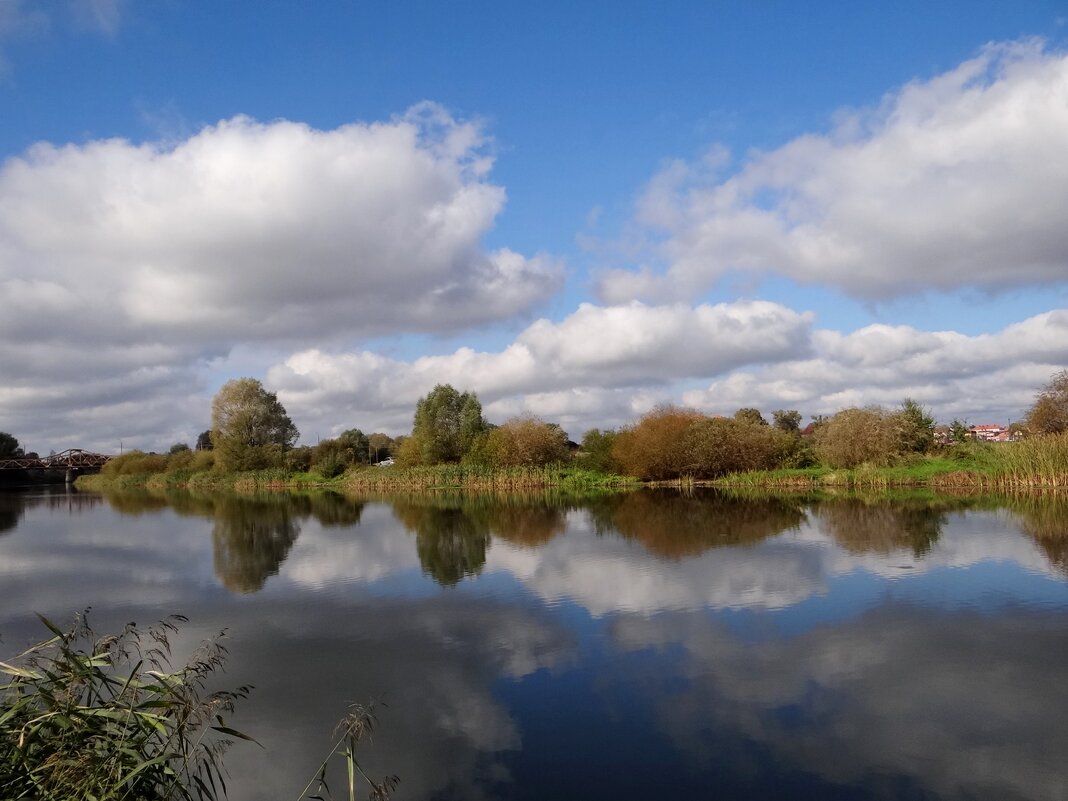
(251, 430)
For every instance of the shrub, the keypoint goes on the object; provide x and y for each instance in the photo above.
(717, 445)
(521, 442)
(179, 460)
(299, 460)
(410, 452)
(655, 447)
(135, 463)
(597, 451)
(856, 436)
(203, 461)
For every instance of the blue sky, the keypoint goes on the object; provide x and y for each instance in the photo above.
(576, 210)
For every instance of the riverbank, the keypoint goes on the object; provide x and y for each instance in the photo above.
(1037, 464)
(371, 479)
(1040, 463)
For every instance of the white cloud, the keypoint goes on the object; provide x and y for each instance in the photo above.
(571, 371)
(957, 181)
(990, 375)
(269, 230)
(605, 366)
(120, 259)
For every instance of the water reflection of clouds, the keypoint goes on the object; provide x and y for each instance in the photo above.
(434, 662)
(965, 705)
(374, 551)
(612, 575)
(56, 563)
(898, 691)
(609, 574)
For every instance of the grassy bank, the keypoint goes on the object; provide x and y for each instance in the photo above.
(1035, 464)
(368, 479)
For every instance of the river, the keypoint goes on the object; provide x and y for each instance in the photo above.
(644, 645)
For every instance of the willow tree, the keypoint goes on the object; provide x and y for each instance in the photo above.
(250, 428)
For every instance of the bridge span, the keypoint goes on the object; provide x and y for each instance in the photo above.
(71, 459)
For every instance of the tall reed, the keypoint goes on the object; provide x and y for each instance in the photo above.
(93, 718)
(1040, 461)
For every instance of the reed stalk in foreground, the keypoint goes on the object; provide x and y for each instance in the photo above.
(354, 727)
(96, 718)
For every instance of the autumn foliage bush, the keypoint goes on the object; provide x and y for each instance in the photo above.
(655, 448)
(521, 442)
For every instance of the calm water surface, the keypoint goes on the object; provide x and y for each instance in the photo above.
(642, 646)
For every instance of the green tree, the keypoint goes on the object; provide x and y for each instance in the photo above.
(715, 446)
(381, 446)
(249, 426)
(356, 446)
(959, 431)
(447, 423)
(787, 420)
(914, 427)
(1049, 413)
(597, 450)
(9, 446)
(750, 415)
(204, 441)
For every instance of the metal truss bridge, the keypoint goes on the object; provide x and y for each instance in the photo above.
(72, 459)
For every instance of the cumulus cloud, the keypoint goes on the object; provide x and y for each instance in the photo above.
(562, 369)
(606, 366)
(252, 229)
(117, 258)
(957, 181)
(993, 375)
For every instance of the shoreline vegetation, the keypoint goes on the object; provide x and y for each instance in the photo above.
(560, 478)
(1037, 463)
(251, 446)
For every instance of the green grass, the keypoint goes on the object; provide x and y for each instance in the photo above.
(1037, 463)
(379, 479)
(932, 471)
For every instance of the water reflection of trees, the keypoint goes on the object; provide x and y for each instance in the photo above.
(453, 532)
(673, 525)
(252, 535)
(137, 502)
(1045, 519)
(14, 504)
(11, 509)
(884, 526)
(251, 540)
(451, 543)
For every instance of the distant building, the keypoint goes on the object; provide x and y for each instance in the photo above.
(991, 432)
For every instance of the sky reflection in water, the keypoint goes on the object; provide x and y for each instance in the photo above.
(631, 646)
